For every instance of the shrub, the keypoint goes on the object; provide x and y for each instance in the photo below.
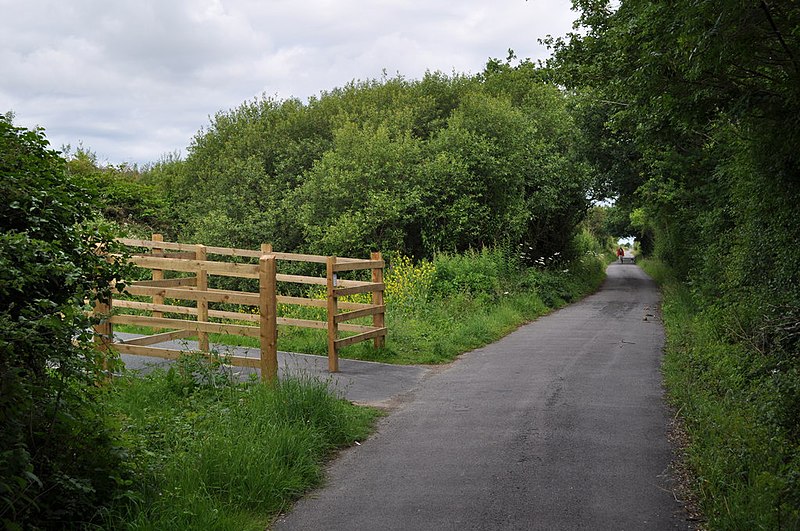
(472, 273)
(59, 461)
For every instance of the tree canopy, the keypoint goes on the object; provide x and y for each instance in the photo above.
(689, 110)
(437, 164)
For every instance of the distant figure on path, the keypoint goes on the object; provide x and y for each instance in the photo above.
(620, 253)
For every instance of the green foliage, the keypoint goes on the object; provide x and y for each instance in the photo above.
(211, 453)
(123, 197)
(741, 413)
(439, 164)
(360, 196)
(59, 460)
(687, 108)
(241, 169)
(472, 273)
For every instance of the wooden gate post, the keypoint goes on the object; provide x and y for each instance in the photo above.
(267, 309)
(202, 304)
(379, 319)
(158, 274)
(103, 331)
(333, 310)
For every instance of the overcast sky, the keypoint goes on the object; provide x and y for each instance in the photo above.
(133, 80)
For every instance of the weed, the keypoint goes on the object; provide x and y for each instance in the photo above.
(408, 285)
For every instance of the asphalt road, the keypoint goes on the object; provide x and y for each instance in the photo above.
(560, 425)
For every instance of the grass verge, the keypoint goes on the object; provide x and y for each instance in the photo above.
(208, 453)
(745, 463)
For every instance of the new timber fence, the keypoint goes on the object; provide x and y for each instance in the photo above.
(187, 294)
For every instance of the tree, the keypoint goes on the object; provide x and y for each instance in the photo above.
(123, 196)
(677, 98)
(363, 194)
(439, 164)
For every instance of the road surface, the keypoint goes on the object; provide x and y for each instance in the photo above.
(560, 425)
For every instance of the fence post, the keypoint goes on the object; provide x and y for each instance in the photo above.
(379, 319)
(158, 274)
(103, 331)
(202, 304)
(267, 308)
(266, 248)
(333, 310)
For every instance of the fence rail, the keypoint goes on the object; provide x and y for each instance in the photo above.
(194, 259)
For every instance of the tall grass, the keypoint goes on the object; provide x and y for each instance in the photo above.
(213, 454)
(746, 467)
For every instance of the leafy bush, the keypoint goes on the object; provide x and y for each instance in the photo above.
(121, 194)
(473, 273)
(441, 164)
(59, 461)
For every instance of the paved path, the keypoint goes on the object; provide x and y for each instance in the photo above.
(560, 425)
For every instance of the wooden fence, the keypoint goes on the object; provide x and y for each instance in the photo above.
(164, 295)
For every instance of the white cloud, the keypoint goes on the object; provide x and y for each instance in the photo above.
(134, 79)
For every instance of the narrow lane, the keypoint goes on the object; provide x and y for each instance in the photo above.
(560, 425)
